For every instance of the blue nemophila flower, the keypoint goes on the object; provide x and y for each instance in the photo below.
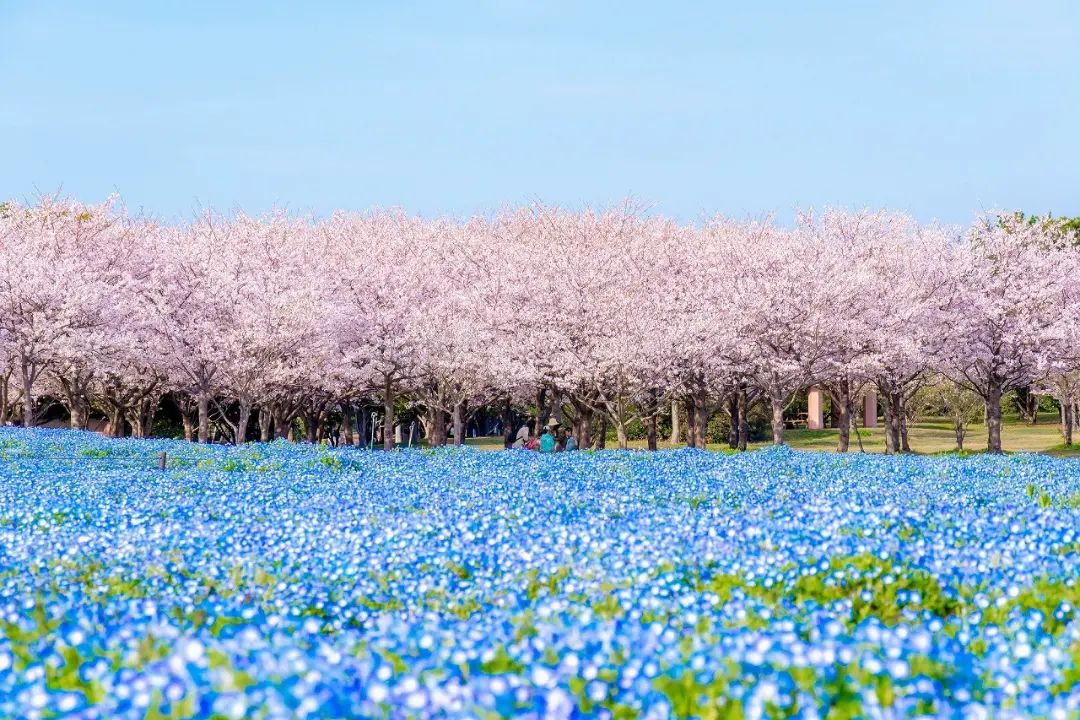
(459, 583)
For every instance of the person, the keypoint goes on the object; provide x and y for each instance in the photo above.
(533, 444)
(547, 441)
(570, 443)
(523, 434)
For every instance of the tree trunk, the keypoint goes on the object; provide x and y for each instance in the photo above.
(620, 433)
(141, 415)
(835, 414)
(135, 421)
(904, 428)
(437, 427)
(555, 407)
(777, 404)
(583, 416)
(189, 426)
(149, 412)
(242, 422)
(1067, 423)
(347, 421)
(28, 399)
(650, 431)
(78, 415)
(75, 390)
(459, 424)
(674, 440)
(893, 413)
(4, 399)
(733, 412)
(601, 434)
(282, 425)
(506, 418)
(960, 430)
(993, 417)
(886, 406)
(388, 414)
(840, 401)
(691, 421)
(362, 431)
(744, 426)
(843, 421)
(266, 421)
(583, 432)
(204, 417)
(116, 422)
(701, 422)
(541, 409)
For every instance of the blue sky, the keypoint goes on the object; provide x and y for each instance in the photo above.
(937, 108)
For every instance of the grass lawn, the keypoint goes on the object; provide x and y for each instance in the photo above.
(930, 435)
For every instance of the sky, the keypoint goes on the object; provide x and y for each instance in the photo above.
(941, 109)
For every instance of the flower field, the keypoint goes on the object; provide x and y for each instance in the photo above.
(286, 580)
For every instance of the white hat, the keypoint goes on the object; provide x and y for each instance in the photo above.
(552, 421)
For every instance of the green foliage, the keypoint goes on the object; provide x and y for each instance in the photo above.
(962, 407)
(1045, 500)
(550, 584)
(868, 575)
(1064, 231)
(165, 427)
(692, 698)
(501, 663)
(462, 572)
(757, 421)
(635, 429)
(94, 453)
(331, 461)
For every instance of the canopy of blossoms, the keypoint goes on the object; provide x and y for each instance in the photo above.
(599, 317)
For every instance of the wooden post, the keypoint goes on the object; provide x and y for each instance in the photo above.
(870, 409)
(161, 461)
(814, 417)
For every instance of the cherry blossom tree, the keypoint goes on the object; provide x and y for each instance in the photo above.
(596, 317)
(456, 336)
(276, 301)
(382, 294)
(851, 239)
(189, 297)
(1064, 386)
(1008, 315)
(60, 264)
(706, 357)
(782, 312)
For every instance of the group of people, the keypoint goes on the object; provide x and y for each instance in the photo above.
(552, 438)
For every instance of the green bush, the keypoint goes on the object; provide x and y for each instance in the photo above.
(757, 422)
(635, 429)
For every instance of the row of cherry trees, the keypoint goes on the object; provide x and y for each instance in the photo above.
(598, 317)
